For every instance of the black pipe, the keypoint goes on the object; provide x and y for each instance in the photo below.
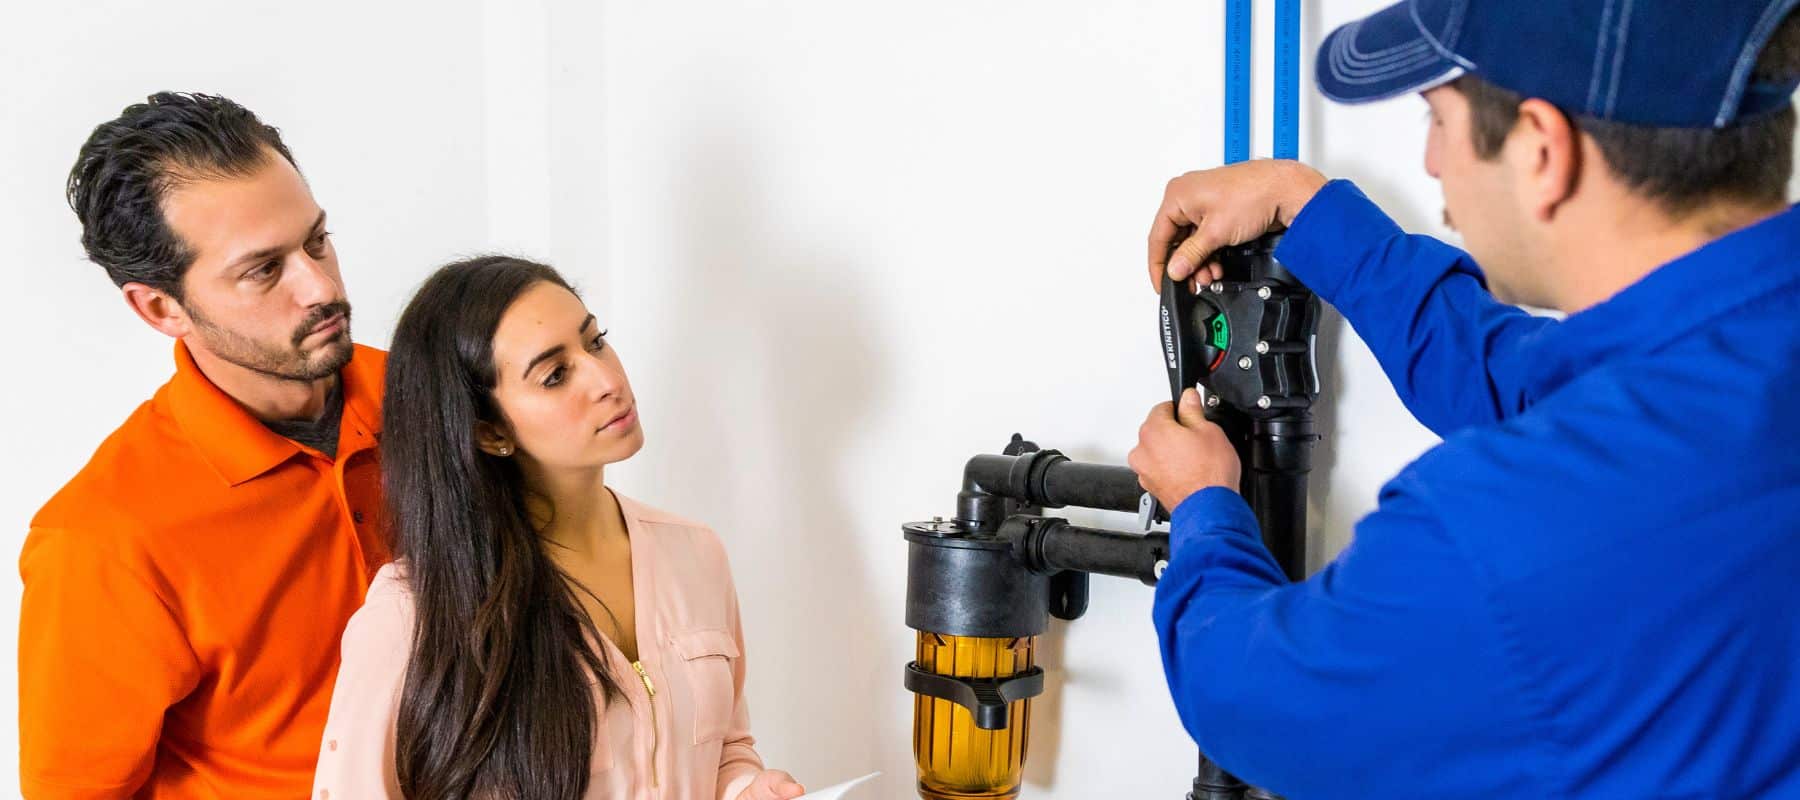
(1102, 486)
(1051, 545)
(1043, 478)
(1280, 459)
(1214, 783)
(1276, 454)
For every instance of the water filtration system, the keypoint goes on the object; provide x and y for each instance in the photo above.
(983, 583)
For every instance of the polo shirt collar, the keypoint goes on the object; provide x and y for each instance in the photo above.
(232, 440)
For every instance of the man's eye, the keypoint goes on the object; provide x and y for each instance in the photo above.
(317, 243)
(263, 272)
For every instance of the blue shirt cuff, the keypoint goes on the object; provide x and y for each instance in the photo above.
(1210, 510)
(1331, 234)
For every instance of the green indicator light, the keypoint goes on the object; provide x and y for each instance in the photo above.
(1221, 333)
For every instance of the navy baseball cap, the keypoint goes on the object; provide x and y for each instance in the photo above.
(1662, 63)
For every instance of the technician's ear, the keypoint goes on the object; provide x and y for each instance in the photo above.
(157, 309)
(1545, 148)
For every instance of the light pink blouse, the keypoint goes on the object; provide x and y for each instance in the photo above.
(683, 735)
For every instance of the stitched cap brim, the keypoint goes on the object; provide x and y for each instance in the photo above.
(1380, 56)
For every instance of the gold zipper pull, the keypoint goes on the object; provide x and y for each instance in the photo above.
(655, 735)
(648, 686)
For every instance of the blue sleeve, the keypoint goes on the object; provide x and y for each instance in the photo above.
(1386, 669)
(1452, 351)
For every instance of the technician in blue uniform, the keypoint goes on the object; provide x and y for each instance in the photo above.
(1591, 589)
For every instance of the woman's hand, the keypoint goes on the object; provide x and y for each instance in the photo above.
(772, 784)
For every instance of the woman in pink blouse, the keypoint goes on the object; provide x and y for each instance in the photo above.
(538, 635)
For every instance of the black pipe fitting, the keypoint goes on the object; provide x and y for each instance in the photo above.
(1050, 545)
(1045, 478)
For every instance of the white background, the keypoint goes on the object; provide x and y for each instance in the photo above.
(842, 247)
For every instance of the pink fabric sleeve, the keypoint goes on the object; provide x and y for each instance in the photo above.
(739, 762)
(356, 757)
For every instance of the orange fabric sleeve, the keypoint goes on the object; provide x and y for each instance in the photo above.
(101, 658)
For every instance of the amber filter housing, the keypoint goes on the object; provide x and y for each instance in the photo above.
(956, 759)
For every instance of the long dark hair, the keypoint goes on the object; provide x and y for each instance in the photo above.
(499, 694)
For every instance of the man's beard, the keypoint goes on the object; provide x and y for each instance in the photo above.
(289, 362)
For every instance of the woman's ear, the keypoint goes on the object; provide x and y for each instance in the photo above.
(490, 439)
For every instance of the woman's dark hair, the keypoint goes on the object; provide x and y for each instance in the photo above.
(498, 701)
(128, 164)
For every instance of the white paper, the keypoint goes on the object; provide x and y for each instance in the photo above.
(837, 792)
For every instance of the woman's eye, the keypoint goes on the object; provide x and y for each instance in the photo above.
(598, 343)
(555, 377)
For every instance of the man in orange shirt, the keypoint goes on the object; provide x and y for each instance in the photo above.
(184, 593)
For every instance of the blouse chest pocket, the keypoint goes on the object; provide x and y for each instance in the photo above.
(707, 658)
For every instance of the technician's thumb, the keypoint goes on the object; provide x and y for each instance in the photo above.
(1186, 257)
(1190, 406)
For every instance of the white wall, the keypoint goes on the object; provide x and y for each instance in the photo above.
(841, 246)
(851, 245)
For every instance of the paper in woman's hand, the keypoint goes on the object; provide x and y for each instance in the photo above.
(840, 791)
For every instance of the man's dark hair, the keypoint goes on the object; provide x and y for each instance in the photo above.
(1681, 169)
(129, 164)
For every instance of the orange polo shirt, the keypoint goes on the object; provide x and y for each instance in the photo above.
(184, 595)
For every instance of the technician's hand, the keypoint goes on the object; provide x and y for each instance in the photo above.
(772, 784)
(1176, 459)
(1206, 210)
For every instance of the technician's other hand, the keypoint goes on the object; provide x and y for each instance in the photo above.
(1206, 210)
(1176, 459)
(772, 784)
